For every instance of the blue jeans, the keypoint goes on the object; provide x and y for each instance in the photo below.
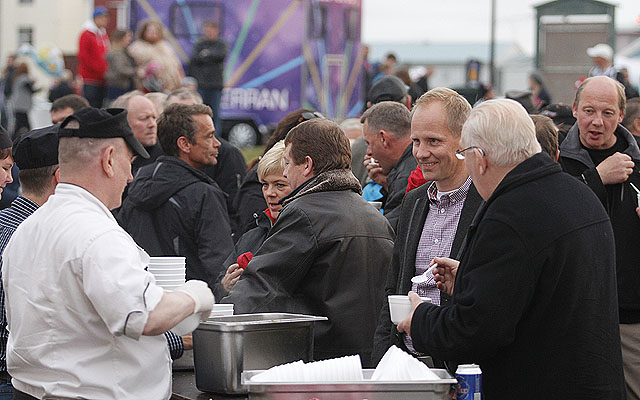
(6, 391)
(211, 97)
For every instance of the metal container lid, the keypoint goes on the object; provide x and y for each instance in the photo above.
(254, 322)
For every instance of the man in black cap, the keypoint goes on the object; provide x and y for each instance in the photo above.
(85, 316)
(389, 88)
(36, 154)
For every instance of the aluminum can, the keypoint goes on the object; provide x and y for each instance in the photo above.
(469, 386)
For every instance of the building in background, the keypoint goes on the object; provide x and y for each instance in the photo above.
(565, 30)
(450, 62)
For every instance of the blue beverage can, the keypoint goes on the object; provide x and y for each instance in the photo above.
(469, 378)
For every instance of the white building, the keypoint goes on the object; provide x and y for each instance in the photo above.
(41, 23)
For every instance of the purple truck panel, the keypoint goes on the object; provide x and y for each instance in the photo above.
(283, 54)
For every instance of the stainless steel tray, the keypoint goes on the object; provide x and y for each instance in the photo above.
(223, 347)
(252, 322)
(370, 390)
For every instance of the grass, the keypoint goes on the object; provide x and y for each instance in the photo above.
(250, 153)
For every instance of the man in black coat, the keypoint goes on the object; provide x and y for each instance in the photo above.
(534, 301)
(429, 225)
(605, 156)
(386, 130)
(328, 251)
(175, 209)
(206, 65)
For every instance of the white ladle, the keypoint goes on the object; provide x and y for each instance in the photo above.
(424, 276)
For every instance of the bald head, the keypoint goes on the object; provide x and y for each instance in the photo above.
(142, 120)
(598, 109)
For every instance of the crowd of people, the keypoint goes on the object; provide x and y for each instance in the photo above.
(531, 220)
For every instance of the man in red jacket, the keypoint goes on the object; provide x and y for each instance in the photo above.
(92, 64)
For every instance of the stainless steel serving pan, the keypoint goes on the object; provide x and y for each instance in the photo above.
(357, 390)
(223, 347)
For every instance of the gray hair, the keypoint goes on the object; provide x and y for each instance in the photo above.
(390, 116)
(183, 94)
(123, 100)
(503, 130)
(456, 107)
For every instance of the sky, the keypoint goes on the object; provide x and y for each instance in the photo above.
(465, 20)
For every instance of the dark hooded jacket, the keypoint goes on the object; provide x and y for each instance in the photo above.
(534, 302)
(327, 254)
(175, 210)
(620, 201)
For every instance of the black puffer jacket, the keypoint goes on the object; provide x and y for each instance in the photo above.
(327, 254)
(175, 210)
(620, 201)
(534, 301)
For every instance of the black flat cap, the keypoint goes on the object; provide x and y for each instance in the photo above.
(102, 124)
(5, 139)
(387, 88)
(37, 148)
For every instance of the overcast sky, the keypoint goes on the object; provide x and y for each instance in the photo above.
(464, 20)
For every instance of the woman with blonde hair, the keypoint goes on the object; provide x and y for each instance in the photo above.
(274, 188)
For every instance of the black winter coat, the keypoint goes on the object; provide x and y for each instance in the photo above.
(413, 214)
(250, 241)
(397, 183)
(175, 210)
(207, 62)
(327, 254)
(249, 200)
(620, 201)
(534, 301)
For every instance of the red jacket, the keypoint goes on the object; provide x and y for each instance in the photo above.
(92, 48)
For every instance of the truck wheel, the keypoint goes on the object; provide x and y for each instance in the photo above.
(243, 135)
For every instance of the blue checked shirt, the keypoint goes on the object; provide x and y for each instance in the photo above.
(10, 218)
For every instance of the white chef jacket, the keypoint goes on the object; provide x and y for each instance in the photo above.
(78, 298)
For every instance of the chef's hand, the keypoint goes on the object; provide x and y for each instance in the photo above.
(445, 273)
(187, 342)
(231, 277)
(202, 296)
(615, 168)
(405, 325)
(638, 211)
(375, 172)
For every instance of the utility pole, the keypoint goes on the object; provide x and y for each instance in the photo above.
(492, 69)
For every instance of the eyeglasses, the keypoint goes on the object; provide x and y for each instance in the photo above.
(460, 153)
(306, 116)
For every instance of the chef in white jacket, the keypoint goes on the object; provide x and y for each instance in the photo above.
(85, 317)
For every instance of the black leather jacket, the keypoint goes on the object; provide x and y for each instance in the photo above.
(327, 254)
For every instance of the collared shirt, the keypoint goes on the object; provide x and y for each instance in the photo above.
(78, 299)
(437, 237)
(10, 218)
(437, 234)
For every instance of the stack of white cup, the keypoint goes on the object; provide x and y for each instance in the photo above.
(221, 310)
(168, 271)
